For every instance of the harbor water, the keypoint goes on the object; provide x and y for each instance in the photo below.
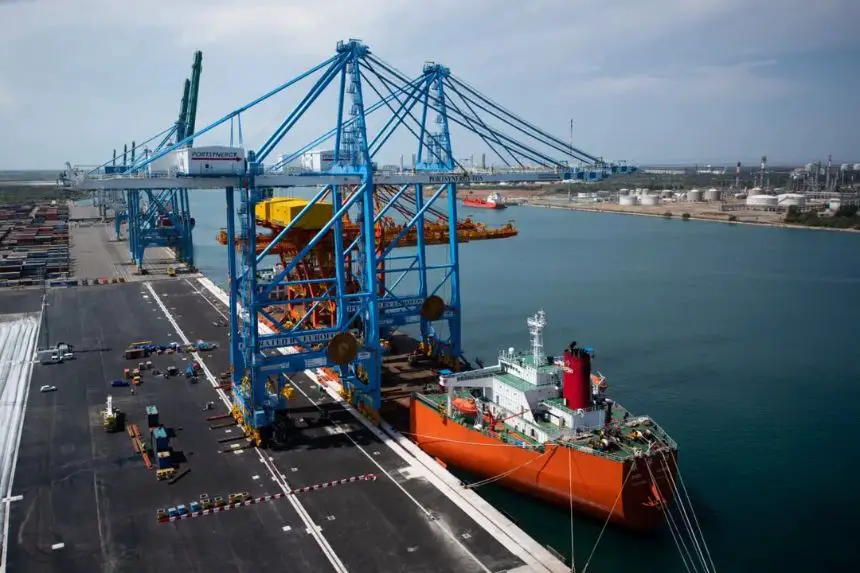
(741, 341)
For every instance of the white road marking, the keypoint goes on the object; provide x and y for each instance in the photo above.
(313, 528)
(21, 344)
(424, 510)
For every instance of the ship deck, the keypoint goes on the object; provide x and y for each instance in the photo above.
(627, 448)
(81, 499)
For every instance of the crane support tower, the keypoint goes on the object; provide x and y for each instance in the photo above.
(160, 217)
(341, 285)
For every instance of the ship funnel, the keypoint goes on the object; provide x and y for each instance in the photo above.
(576, 381)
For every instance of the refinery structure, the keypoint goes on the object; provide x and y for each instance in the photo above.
(820, 187)
(342, 288)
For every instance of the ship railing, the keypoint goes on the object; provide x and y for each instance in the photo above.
(474, 374)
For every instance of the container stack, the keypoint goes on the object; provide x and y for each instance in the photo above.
(34, 244)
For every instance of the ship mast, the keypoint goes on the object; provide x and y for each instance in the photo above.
(536, 325)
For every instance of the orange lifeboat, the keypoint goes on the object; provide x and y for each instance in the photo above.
(465, 405)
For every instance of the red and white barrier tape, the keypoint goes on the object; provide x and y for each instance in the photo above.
(272, 497)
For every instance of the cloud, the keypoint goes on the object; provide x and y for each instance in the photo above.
(7, 98)
(743, 81)
(98, 71)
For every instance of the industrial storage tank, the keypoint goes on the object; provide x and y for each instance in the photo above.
(856, 167)
(845, 167)
(694, 195)
(627, 200)
(667, 193)
(810, 167)
(791, 199)
(762, 201)
(650, 200)
(713, 194)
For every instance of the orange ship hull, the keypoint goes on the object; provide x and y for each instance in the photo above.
(594, 484)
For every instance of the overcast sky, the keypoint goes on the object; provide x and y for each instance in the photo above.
(666, 81)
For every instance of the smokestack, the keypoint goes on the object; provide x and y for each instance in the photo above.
(401, 162)
(124, 154)
(829, 166)
(133, 146)
(114, 158)
(738, 176)
(576, 380)
(483, 161)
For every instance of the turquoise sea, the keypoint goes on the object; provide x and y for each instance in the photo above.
(742, 341)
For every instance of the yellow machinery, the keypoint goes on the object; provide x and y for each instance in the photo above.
(280, 211)
(165, 473)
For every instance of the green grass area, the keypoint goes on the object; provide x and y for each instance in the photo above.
(846, 217)
(11, 194)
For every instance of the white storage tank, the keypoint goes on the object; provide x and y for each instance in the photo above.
(791, 199)
(810, 167)
(834, 204)
(211, 161)
(694, 195)
(856, 167)
(713, 194)
(627, 200)
(667, 193)
(650, 200)
(762, 201)
(845, 167)
(318, 160)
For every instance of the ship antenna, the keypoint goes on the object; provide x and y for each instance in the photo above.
(536, 325)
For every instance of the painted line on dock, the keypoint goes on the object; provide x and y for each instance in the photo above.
(507, 533)
(269, 498)
(427, 513)
(312, 527)
(7, 495)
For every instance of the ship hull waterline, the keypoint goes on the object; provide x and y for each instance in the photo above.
(561, 476)
(482, 204)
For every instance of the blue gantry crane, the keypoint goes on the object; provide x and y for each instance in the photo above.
(156, 218)
(341, 250)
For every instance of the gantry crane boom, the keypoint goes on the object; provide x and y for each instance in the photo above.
(330, 301)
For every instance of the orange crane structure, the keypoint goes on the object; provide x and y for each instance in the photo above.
(311, 280)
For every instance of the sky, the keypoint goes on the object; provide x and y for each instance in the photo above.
(656, 81)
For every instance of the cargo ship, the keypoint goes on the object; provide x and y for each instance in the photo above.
(493, 201)
(545, 426)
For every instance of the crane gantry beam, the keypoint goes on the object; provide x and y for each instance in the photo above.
(341, 287)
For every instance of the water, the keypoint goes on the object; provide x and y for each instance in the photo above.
(741, 341)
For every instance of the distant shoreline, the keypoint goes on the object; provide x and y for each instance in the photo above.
(691, 218)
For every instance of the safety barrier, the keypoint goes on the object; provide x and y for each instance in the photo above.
(265, 498)
(102, 281)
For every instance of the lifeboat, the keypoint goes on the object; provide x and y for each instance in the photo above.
(465, 406)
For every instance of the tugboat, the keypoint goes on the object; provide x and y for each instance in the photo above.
(557, 435)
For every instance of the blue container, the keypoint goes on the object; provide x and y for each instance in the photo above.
(119, 383)
(159, 440)
(163, 461)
